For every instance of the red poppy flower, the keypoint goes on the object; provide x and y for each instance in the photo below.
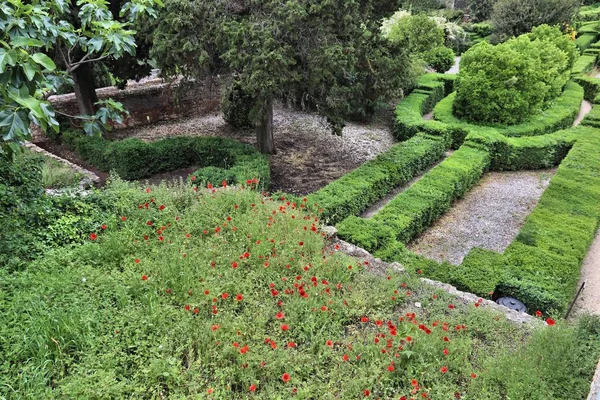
(301, 244)
(329, 343)
(550, 321)
(123, 218)
(451, 306)
(280, 315)
(285, 327)
(414, 382)
(367, 392)
(364, 320)
(446, 339)
(214, 327)
(93, 236)
(446, 352)
(244, 349)
(285, 377)
(444, 369)
(538, 313)
(187, 307)
(291, 344)
(149, 223)
(225, 296)
(196, 310)
(234, 265)
(239, 297)
(345, 357)
(252, 387)
(391, 368)
(473, 375)
(144, 277)
(162, 207)
(323, 308)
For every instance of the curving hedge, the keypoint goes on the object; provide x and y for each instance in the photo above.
(357, 190)
(586, 39)
(135, 159)
(559, 115)
(584, 64)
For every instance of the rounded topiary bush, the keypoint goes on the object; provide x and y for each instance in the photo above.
(441, 59)
(507, 83)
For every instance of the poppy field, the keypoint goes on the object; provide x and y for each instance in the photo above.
(223, 293)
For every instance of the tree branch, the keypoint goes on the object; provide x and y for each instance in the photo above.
(86, 60)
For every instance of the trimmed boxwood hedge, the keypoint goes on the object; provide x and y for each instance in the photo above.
(584, 64)
(591, 86)
(584, 41)
(415, 209)
(560, 115)
(357, 190)
(135, 159)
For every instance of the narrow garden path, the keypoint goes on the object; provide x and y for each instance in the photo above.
(589, 300)
(489, 217)
(377, 206)
(585, 109)
(455, 67)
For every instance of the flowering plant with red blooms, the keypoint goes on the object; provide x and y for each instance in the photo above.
(245, 288)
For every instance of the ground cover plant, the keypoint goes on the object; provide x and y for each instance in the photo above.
(223, 293)
(218, 159)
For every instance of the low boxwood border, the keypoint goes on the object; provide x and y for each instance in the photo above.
(560, 115)
(415, 209)
(357, 190)
(135, 159)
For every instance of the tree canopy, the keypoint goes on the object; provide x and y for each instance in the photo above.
(29, 31)
(327, 55)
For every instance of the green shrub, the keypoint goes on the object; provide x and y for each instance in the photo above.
(357, 190)
(213, 175)
(441, 59)
(559, 115)
(135, 159)
(482, 29)
(507, 83)
(237, 107)
(584, 41)
(589, 13)
(591, 86)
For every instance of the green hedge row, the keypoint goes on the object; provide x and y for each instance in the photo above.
(593, 118)
(589, 13)
(584, 41)
(135, 159)
(357, 190)
(560, 115)
(591, 86)
(541, 267)
(584, 64)
(415, 209)
(525, 153)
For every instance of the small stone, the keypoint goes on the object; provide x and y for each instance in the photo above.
(329, 231)
(418, 305)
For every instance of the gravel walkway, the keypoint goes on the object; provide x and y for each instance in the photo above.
(490, 216)
(455, 67)
(585, 109)
(308, 155)
(589, 300)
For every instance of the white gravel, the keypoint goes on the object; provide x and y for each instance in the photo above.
(490, 216)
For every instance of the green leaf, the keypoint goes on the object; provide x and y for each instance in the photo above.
(5, 59)
(21, 41)
(44, 61)
(95, 44)
(30, 70)
(15, 127)
(33, 104)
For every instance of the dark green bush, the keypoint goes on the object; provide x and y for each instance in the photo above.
(237, 107)
(591, 86)
(135, 159)
(441, 59)
(213, 175)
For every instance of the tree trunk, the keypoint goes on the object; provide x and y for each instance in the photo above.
(85, 92)
(264, 130)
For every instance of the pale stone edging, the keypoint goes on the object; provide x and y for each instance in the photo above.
(90, 177)
(595, 387)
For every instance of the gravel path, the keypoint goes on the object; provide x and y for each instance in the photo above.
(585, 109)
(308, 155)
(455, 67)
(589, 300)
(490, 216)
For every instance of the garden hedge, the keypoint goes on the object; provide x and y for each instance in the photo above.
(591, 86)
(561, 114)
(415, 209)
(584, 41)
(357, 190)
(584, 64)
(589, 13)
(135, 159)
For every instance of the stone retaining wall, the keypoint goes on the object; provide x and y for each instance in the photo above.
(151, 101)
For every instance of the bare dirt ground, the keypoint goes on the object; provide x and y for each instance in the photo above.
(489, 217)
(308, 155)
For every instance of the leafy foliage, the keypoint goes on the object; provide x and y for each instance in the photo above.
(30, 30)
(516, 17)
(506, 83)
(441, 59)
